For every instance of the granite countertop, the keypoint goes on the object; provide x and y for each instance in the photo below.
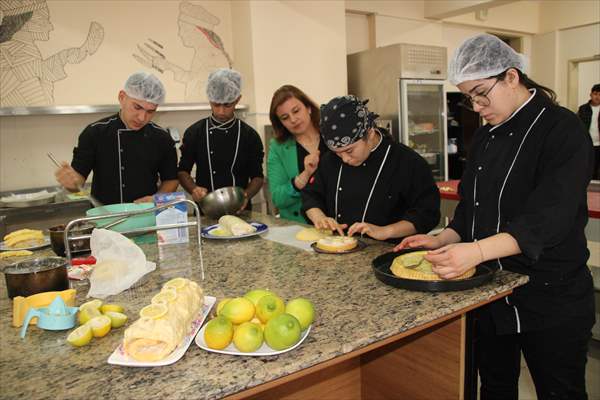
(354, 309)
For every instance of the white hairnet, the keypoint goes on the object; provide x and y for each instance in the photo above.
(224, 86)
(144, 86)
(483, 56)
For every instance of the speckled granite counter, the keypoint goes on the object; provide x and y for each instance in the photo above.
(354, 310)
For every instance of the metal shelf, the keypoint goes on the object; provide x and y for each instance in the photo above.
(102, 108)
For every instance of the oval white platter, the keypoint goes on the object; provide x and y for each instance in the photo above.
(263, 350)
(119, 357)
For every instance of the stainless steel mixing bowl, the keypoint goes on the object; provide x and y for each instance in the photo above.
(227, 200)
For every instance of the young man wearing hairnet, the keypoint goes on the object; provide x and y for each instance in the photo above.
(225, 150)
(131, 157)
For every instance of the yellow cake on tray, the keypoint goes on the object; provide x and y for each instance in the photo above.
(414, 266)
(337, 244)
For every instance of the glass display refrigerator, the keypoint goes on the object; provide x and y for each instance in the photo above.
(405, 85)
(423, 122)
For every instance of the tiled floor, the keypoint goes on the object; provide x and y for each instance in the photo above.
(592, 375)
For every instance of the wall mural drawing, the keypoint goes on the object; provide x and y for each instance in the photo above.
(26, 78)
(196, 31)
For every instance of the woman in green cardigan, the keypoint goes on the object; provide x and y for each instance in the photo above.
(294, 151)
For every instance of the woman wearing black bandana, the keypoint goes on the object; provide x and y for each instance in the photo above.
(368, 183)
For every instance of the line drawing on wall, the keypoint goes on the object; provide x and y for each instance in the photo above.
(196, 31)
(26, 78)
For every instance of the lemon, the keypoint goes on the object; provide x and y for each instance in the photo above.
(218, 333)
(255, 320)
(303, 310)
(117, 319)
(100, 325)
(248, 337)
(221, 304)
(282, 331)
(96, 303)
(154, 311)
(166, 297)
(268, 307)
(87, 313)
(177, 283)
(104, 308)
(238, 310)
(80, 336)
(255, 295)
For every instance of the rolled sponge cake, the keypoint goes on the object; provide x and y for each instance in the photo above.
(153, 339)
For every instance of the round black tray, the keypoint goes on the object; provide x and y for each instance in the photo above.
(382, 264)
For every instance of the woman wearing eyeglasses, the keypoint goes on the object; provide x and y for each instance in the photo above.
(523, 208)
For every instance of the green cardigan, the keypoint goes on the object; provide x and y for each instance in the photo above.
(282, 166)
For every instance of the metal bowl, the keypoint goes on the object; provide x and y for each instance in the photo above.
(57, 238)
(35, 276)
(227, 200)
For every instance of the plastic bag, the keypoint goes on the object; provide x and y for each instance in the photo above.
(119, 263)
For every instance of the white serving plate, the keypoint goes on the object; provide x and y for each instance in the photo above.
(260, 229)
(45, 243)
(119, 357)
(263, 350)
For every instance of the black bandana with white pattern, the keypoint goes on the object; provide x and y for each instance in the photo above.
(344, 120)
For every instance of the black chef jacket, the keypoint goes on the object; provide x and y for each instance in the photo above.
(528, 177)
(127, 164)
(405, 189)
(232, 155)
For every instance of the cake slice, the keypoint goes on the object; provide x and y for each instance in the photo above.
(336, 244)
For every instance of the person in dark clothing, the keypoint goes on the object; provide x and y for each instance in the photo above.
(523, 208)
(225, 150)
(132, 158)
(589, 113)
(367, 182)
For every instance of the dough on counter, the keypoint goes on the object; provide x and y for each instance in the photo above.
(337, 244)
(414, 266)
(235, 226)
(313, 234)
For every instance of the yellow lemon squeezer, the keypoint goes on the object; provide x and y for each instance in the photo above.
(58, 316)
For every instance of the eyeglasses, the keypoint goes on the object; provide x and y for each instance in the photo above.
(480, 99)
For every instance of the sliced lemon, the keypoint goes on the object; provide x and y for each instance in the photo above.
(177, 283)
(100, 325)
(111, 307)
(80, 336)
(96, 303)
(166, 297)
(87, 313)
(154, 311)
(117, 319)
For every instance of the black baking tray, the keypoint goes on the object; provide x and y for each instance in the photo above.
(382, 264)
